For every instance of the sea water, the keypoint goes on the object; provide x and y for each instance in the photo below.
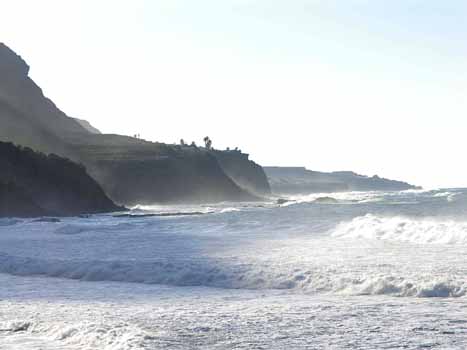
(372, 270)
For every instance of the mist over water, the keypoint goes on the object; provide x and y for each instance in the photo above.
(405, 246)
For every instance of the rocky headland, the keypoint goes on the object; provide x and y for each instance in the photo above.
(130, 170)
(299, 180)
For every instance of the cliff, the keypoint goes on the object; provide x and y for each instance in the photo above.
(244, 172)
(135, 171)
(130, 170)
(299, 180)
(358, 182)
(15, 202)
(26, 116)
(33, 184)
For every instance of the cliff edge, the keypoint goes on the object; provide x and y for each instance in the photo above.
(243, 171)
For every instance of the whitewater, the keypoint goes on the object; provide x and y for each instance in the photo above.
(368, 270)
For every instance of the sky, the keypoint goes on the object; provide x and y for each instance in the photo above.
(373, 86)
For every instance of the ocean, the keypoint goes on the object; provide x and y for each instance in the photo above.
(370, 270)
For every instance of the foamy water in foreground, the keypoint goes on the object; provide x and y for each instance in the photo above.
(374, 270)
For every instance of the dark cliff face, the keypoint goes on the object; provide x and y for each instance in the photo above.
(16, 202)
(130, 170)
(298, 180)
(244, 172)
(32, 184)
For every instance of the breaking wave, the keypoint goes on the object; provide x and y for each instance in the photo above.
(398, 228)
(311, 280)
(84, 335)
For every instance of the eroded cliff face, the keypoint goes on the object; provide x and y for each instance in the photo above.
(33, 184)
(130, 170)
(244, 172)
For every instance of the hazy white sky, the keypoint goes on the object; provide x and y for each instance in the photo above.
(374, 86)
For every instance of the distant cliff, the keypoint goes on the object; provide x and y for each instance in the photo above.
(299, 180)
(33, 184)
(130, 170)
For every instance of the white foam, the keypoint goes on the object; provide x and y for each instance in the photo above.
(406, 287)
(307, 279)
(404, 229)
(229, 210)
(348, 197)
(80, 335)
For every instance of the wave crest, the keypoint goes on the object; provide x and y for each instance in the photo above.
(310, 280)
(423, 231)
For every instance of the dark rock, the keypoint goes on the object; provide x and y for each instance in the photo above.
(34, 184)
(49, 220)
(16, 202)
(282, 201)
(326, 200)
